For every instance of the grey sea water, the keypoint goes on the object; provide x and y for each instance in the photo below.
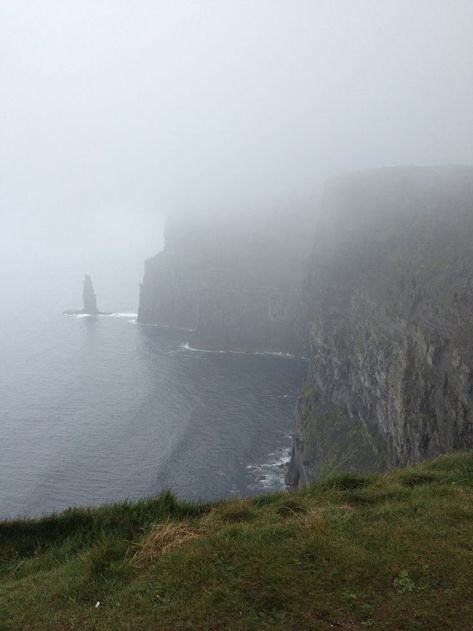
(100, 409)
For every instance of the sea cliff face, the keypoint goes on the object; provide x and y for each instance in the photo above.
(233, 284)
(377, 293)
(390, 300)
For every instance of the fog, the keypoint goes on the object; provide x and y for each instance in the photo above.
(115, 113)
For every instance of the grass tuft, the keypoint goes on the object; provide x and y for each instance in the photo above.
(163, 538)
(417, 479)
(290, 506)
(238, 510)
(347, 481)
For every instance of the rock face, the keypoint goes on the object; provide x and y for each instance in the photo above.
(389, 298)
(90, 300)
(234, 285)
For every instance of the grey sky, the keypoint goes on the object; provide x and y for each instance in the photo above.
(113, 112)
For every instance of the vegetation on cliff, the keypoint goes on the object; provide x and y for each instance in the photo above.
(390, 551)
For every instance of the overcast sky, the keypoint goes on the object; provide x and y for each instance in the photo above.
(113, 112)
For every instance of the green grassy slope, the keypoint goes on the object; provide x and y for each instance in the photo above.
(393, 551)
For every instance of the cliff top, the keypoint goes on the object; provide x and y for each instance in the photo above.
(353, 552)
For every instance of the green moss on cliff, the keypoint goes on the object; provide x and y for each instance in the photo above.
(332, 442)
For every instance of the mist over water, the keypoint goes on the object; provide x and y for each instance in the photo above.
(40, 277)
(115, 115)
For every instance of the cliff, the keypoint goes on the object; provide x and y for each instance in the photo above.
(233, 283)
(389, 297)
(375, 287)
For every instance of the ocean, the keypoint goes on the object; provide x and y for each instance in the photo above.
(99, 409)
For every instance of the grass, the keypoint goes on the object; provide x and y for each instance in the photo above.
(392, 551)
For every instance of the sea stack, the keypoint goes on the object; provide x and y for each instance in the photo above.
(90, 300)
